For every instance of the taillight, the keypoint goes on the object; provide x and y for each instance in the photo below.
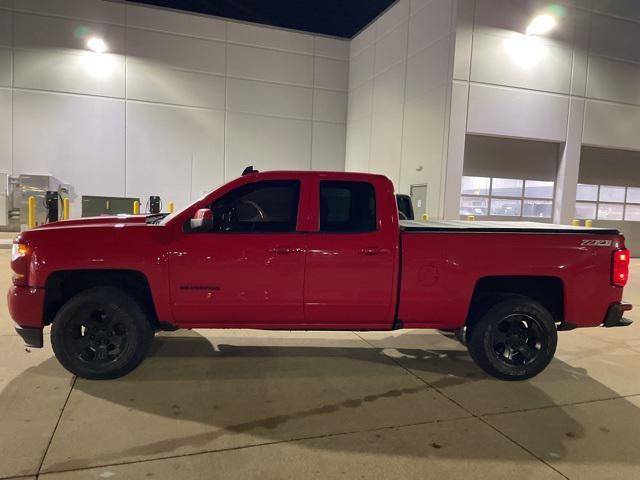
(620, 268)
(20, 263)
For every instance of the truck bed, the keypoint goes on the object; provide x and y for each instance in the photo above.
(498, 227)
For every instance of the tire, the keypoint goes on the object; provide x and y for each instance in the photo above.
(514, 340)
(101, 333)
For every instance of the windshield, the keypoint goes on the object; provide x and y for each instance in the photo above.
(169, 217)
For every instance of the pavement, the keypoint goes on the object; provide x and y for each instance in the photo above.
(230, 404)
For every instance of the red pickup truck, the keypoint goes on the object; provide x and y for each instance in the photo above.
(311, 251)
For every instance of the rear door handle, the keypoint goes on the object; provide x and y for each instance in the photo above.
(284, 250)
(374, 251)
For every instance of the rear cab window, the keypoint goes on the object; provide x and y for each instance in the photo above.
(347, 207)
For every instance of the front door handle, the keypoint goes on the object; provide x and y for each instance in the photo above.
(284, 250)
(374, 251)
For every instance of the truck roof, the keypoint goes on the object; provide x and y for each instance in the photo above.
(499, 227)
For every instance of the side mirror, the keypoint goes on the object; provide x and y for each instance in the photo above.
(202, 220)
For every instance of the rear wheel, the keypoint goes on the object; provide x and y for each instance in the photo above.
(101, 333)
(514, 340)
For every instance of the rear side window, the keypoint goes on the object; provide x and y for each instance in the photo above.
(347, 207)
(269, 206)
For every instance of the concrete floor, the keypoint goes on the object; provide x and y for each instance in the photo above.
(243, 404)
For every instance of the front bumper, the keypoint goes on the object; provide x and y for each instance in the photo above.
(615, 314)
(26, 307)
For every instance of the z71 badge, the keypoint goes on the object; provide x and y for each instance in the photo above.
(596, 243)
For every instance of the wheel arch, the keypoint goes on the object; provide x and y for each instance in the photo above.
(546, 290)
(61, 285)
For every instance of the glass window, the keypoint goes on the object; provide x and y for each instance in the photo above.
(610, 211)
(632, 213)
(633, 195)
(538, 189)
(585, 211)
(612, 194)
(587, 192)
(475, 185)
(269, 206)
(347, 207)
(474, 206)
(537, 208)
(506, 187)
(506, 208)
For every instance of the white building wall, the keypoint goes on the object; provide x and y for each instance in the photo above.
(399, 95)
(576, 86)
(180, 104)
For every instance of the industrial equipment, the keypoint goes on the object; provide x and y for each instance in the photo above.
(51, 200)
(15, 192)
(155, 204)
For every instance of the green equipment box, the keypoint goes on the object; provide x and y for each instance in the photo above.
(95, 206)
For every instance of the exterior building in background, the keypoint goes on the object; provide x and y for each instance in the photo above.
(499, 123)
(169, 103)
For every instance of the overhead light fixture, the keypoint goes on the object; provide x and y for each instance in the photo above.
(96, 45)
(541, 24)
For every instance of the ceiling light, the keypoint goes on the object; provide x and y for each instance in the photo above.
(97, 45)
(541, 25)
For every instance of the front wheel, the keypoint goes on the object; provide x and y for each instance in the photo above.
(101, 333)
(514, 340)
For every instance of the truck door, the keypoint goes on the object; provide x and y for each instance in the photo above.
(350, 279)
(248, 269)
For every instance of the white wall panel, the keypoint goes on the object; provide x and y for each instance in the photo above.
(424, 127)
(391, 18)
(6, 24)
(5, 67)
(332, 47)
(270, 65)
(521, 62)
(429, 24)
(615, 38)
(5, 130)
(613, 80)
(391, 49)
(517, 113)
(260, 36)
(328, 148)
(35, 31)
(358, 145)
(94, 10)
(361, 67)
(388, 89)
(174, 152)
(386, 144)
(171, 21)
(329, 106)
(250, 96)
(151, 82)
(267, 143)
(360, 101)
(177, 51)
(620, 8)
(80, 140)
(330, 73)
(70, 71)
(429, 68)
(611, 125)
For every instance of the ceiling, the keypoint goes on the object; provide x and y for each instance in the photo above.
(340, 18)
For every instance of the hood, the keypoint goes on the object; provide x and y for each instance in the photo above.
(93, 221)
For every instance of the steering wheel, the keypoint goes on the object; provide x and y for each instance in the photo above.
(258, 213)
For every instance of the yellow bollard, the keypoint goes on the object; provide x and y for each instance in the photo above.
(171, 207)
(575, 222)
(65, 209)
(588, 223)
(31, 212)
(425, 217)
(136, 207)
(471, 218)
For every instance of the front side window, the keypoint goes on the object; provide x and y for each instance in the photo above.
(269, 206)
(347, 207)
